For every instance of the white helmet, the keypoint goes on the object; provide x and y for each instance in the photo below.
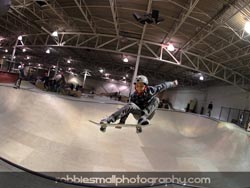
(141, 78)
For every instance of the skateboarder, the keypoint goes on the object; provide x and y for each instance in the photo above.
(143, 102)
(20, 76)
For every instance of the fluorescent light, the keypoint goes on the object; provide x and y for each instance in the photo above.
(201, 77)
(171, 47)
(247, 27)
(48, 51)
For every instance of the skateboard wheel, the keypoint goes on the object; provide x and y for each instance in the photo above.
(103, 129)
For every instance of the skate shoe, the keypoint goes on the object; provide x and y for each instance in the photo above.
(143, 121)
(122, 121)
(107, 120)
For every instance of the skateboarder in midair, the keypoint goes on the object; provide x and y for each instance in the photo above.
(143, 102)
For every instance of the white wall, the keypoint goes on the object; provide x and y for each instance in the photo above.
(107, 86)
(227, 96)
(180, 97)
(221, 96)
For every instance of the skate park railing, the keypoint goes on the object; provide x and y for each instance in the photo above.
(237, 116)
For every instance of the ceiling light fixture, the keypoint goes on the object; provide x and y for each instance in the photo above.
(101, 70)
(247, 27)
(106, 76)
(125, 59)
(54, 34)
(20, 38)
(201, 77)
(171, 47)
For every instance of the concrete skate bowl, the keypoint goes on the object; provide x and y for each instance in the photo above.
(47, 134)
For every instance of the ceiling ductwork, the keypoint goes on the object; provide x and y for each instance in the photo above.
(148, 18)
(4, 6)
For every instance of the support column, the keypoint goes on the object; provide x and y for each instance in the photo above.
(84, 79)
(86, 73)
(12, 64)
(136, 68)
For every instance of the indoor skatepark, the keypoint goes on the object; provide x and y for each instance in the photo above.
(78, 61)
(50, 133)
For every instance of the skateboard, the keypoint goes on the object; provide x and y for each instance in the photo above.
(119, 126)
